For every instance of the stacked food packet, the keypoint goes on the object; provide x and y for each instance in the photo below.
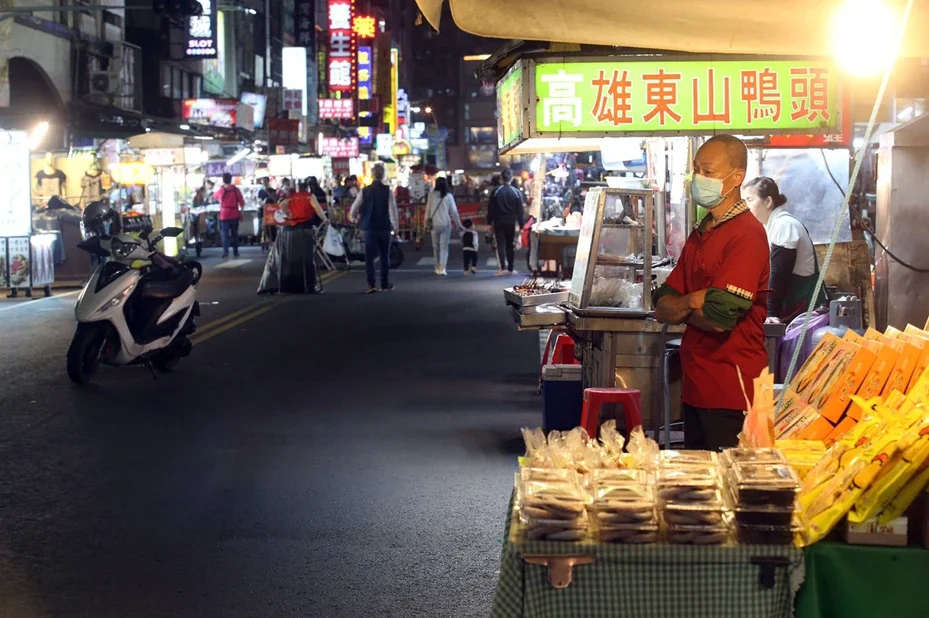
(763, 489)
(690, 498)
(552, 504)
(623, 507)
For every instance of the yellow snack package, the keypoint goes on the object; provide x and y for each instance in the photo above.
(802, 461)
(905, 497)
(827, 467)
(811, 446)
(913, 452)
(833, 499)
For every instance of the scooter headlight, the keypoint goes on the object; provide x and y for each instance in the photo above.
(121, 249)
(116, 301)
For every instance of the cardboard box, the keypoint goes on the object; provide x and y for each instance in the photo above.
(907, 357)
(871, 533)
(804, 417)
(845, 425)
(793, 408)
(877, 376)
(813, 366)
(825, 378)
(817, 430)
(838, 396)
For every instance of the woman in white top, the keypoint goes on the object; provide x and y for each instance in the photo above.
(441, 213)
(794, 267)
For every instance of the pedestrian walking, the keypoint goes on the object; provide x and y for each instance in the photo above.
(504, 212)
(231, 204)
(375, 212)
(469, 247)
(441, 213)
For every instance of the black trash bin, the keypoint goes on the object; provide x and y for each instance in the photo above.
(294, 260)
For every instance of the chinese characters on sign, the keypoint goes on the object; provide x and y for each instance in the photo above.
(212, 112)
(341, 69)
(305, 26)
(336, 109)
(293, 99)
(365, 134)
(365, 27)
(336, 147)
(509, 107)
(201, 32)
(681, 95)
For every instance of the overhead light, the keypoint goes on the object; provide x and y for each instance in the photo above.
(251, 11)
(476, 57)
(416, 109)
(860, 19)
(427, 109)
(203, 137)
(38, 134)
(459, 171)
(148, 129)
(185, 127)
(238, 156)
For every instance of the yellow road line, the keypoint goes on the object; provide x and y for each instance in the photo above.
(231, 316)
(196, 340)
(226, 323)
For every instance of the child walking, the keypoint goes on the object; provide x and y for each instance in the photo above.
(469, 247)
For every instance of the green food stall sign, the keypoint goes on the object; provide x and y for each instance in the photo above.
(692, 96)
(510, 107)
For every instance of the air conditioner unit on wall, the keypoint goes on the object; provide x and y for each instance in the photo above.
(106, 85)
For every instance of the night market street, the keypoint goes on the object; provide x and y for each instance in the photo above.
(335, 455)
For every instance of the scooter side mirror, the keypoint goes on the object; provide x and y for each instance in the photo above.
(171, 232)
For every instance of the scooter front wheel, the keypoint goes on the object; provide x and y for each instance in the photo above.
(85, 351)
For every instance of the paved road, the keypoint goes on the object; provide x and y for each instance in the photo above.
(339, 455)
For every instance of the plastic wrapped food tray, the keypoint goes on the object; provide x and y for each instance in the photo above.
(764, 485)
(687, 457)
(616, 512)
(556, 530)
(631, 534)
(549, 475)
(762, 516)
(694, 514)
(620, 491)
(621, 475)
(748, 456)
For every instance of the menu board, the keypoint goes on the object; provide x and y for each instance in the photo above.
(509, 107)
(18, 256)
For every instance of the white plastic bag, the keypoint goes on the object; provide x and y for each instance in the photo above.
(332, 243)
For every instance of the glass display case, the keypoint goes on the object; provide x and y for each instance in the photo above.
(617, 248)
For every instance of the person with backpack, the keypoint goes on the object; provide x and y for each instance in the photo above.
(231, 204)
(504, 211)
(441, 212)
(375, 212)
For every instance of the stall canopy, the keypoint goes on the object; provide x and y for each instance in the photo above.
(775, 27)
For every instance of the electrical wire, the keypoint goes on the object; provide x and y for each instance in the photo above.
(860, 220)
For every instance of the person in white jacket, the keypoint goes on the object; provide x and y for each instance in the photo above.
(441, 213)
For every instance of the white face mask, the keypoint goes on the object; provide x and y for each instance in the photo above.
(707, 192)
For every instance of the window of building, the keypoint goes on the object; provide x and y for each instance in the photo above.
(482, 135)
(177, 90)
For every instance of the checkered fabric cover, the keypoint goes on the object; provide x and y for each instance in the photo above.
(647, 581)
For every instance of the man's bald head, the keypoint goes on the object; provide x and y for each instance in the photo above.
(723, 158)
(736, 152)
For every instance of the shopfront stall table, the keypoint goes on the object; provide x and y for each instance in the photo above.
(648, 581)
(863, 581)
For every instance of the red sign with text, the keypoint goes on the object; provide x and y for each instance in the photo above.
(341, 67)
(340, 148)
(336, 109)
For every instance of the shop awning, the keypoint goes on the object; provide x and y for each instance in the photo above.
(775, 27)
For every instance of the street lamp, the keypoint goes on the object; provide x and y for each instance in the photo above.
(428, 110)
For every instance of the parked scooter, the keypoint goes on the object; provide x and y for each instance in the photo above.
(139, 305)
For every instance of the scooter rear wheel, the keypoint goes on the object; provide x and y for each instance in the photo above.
(85, 352)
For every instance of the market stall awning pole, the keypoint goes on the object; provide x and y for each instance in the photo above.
(859, 156)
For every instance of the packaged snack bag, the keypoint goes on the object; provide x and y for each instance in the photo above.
(905, 497)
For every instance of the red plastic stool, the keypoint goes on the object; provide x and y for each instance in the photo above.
(564, 351)
(594, 398)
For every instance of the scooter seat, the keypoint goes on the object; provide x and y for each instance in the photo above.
(171, 287)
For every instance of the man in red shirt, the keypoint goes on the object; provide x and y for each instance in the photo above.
(231, 204)
(718, 290)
